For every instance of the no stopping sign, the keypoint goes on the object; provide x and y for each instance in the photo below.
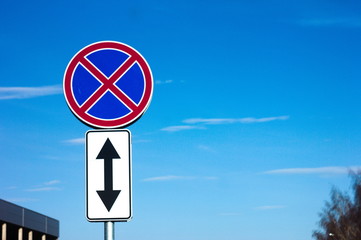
(108, 85)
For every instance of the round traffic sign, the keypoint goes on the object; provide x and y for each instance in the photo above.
(108, 85)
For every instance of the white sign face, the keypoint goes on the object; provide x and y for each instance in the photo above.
(108, 175)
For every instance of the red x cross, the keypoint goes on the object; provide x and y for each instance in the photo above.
(108, 84)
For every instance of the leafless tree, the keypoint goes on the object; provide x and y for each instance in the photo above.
(340, 219)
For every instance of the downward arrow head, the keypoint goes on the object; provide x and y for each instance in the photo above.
(108, 198)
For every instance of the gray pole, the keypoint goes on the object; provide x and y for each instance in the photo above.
(108, 230)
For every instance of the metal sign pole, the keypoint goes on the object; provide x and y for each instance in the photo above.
(108, 230)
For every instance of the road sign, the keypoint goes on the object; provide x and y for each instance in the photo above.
(108, 85)
(108, 175)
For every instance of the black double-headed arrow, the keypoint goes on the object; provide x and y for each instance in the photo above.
(108, 153)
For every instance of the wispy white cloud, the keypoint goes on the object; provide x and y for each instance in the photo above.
(233, 120)
(270, 207)
(206, 148)
(198, 123)
(43, 189)
(159, 82)
(52, 182)
(167, 178)
(181, 128)
(331, 22)
(320, 170)
(28, 92)
(75, 141)
(174, 177)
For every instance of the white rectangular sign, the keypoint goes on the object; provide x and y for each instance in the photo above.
(108, 175)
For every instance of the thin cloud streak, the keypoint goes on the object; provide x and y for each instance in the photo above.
(75, 141)
(270, 207)
(218, 121)
(181, 128)
(173, 177)
(43, 189)
(159, 82)
(28, 92)
(320, 170)
(196, 123)
(167, 178)
(53, 182)
(206, 148)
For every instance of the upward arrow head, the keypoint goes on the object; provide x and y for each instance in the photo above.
(108, 151)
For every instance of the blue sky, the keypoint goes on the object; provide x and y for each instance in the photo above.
(255, 113)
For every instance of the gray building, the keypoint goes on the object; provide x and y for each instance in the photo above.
(18, 223)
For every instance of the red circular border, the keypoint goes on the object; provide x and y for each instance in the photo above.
(102, 123)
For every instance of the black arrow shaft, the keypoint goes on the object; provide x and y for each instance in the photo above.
(108, 174)
(108, 195)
